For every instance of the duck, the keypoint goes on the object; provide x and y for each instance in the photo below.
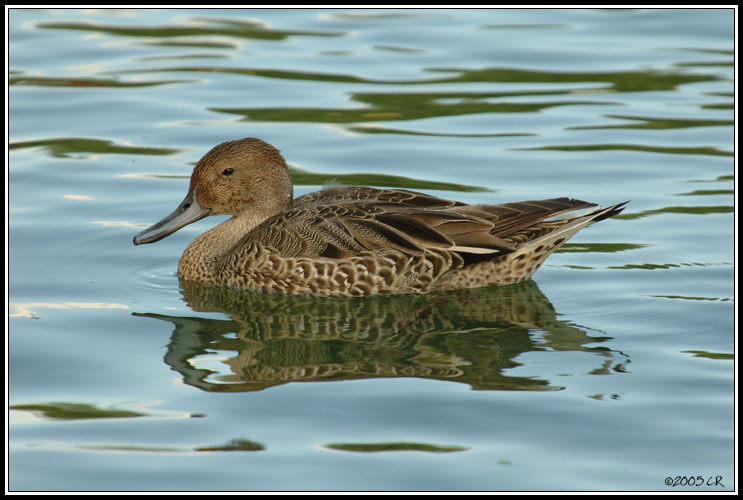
(355, 241)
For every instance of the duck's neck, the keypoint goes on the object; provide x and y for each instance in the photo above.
(199, 260)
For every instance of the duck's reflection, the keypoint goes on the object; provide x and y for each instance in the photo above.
(469, 336)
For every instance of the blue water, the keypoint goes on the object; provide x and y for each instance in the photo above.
(612, 370)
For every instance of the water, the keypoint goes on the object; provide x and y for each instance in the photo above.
(611, 370)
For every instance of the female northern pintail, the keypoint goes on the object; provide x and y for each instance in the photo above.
(353, 240)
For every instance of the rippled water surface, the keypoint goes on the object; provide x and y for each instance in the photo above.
(611, 370)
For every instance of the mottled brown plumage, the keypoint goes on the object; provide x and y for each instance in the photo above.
(355, 240)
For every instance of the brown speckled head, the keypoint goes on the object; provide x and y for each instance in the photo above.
(247, 174)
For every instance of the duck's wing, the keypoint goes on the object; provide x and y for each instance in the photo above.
(525, 220)
(344, 230)
(341, 222)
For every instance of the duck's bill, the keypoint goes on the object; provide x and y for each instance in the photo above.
(187, 212)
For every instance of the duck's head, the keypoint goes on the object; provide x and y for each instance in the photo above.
(238, 178)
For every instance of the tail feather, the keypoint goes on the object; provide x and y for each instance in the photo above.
(564, 233)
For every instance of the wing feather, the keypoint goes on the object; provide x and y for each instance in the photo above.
(341, 221)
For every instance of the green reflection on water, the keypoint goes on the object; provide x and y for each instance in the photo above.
(182, 56)
(707, 192)
(628, 81)
(397, 48)
(75, 411)
(382, 106)
(636, 147)
(51, 81)
(196, 27)
(710, 51)
(658, 123)
(386, 107)
(702, 64)
(233, 445)
(711, 355)
(682, 297)
(670, 266)
(398, 446)
(718, 106)
(63, 147)
(598, 247)
(698, 210)
(174, 42)
(367, 129)
(719, 178)
(623, 81)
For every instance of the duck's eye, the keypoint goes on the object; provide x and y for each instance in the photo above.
(228, 171)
